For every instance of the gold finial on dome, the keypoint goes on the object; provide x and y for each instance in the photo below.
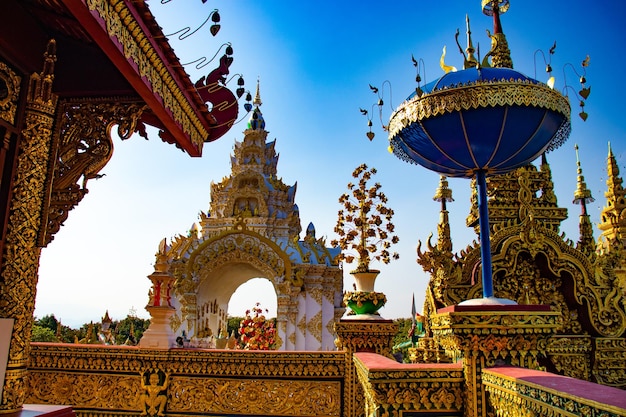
(257, 97)
(443, 193)
(582, 193)
(500, 53)
(470, 59)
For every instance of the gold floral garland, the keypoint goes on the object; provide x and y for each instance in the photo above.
(360, 297)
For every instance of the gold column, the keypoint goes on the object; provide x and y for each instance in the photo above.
(21, 258)
(353, 336)
(484, 336)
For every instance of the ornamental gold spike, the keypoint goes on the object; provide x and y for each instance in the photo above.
(582, 193)
(470, 60)
(257, 97)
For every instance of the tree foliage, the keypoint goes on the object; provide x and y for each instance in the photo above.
(49, 329)
(42, 334)
(233, 325)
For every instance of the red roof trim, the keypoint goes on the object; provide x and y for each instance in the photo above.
(96, 27)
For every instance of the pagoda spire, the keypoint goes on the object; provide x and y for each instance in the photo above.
(547, 189)
(443, 195)
(613, 225)
(257, 97)
(256, 119)
(582, 196)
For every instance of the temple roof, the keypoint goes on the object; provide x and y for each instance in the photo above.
(93, 61)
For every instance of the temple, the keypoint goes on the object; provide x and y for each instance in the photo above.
(544, 332)
(252, 229)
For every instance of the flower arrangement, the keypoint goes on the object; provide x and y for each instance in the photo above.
(255, 331)
(364, 223)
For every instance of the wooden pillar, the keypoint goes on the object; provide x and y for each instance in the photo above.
(353, 336)
(21, 252)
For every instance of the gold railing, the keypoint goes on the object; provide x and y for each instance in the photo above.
(393, 389)
(518, 392)
(122, 381)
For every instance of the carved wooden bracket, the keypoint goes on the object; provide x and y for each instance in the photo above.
(82, 146)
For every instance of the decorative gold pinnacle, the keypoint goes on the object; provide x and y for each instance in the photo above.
(582, 193)
(470, 61)
(443, 193)
(257, 97)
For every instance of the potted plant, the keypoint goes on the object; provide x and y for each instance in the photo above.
(365, 235)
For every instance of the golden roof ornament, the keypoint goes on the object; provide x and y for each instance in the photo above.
(582, 194)
(257, 97)
(469, 60)
(443, 193)
(500, 53)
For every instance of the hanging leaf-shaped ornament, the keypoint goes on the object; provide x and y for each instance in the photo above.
(584, 93)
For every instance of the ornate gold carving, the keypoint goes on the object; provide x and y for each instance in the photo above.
(255, 396)
(21, 258)
(83, 147)
(152, 401)
(517, 398)
(361, 336)
(392, 392)
(534, 264)
(485, 338)
(257, 249)
(252, 230)
(609, 365)
(314, 326)
(119, 23)
(571, 355)
(9, 93)
(95, 379)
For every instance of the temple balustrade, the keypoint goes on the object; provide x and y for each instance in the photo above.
(515, 391)
(127, 380)
(424, 389)
(421, 389)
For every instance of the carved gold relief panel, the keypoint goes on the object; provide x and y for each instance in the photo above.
(9, 93)
(254, 396)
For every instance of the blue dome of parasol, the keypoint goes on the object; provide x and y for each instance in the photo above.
(479, 119)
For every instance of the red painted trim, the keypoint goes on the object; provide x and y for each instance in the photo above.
(496, 308)
(376, 362)
(95, 26)
(41, 410)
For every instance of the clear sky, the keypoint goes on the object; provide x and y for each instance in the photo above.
(315, 61)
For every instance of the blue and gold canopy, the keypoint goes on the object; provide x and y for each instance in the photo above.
(488, 119)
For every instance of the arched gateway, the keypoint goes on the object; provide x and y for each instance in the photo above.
(252, 231)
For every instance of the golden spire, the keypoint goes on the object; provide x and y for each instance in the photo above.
(582, 196)
(443, 195)
(613, 225)
(470, 61)
(257, 97)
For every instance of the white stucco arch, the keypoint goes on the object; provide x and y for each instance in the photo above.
(210, 270)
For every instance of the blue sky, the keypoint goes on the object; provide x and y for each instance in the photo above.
(315, 62)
